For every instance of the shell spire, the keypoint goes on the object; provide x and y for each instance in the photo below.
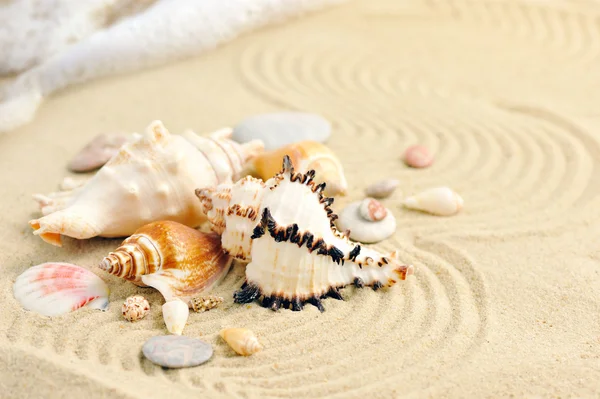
(296, 254)
(177, 260)
(149, 179)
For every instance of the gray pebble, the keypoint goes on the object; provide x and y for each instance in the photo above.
(382, 189)
(279, 129)
(175, 351)
(98, 151)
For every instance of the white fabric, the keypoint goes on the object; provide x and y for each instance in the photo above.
(52, 44)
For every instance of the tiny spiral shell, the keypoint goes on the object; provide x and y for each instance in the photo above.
(135, 308)
(204, 303)
(241, 340)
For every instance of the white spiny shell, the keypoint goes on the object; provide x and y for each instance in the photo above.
(440, 201)
(175, 314)
(296, 254)
(150, 179)
(52, 289)
(241, 340)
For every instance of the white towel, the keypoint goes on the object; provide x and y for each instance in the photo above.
(52, 44)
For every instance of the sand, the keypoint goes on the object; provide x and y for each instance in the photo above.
(505, 301)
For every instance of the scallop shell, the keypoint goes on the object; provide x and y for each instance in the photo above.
(285, 228)
(177, 260)
(135, 308)
(306, 155)
(149, 179)
(175, 314)
(52, 289)
(440, 201)
(241, 340)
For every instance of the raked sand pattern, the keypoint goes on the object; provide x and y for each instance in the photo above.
(506, 295)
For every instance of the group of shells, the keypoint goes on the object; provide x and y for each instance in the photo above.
(157, 188)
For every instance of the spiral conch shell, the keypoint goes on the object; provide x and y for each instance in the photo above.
(306, 155)
(177, 260)
(285, 228)
(149, 179)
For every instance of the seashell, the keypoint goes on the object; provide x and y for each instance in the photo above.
(418, 156)
(284, 228)
(173, 351)
(241, 340)
(205, 303)
(306, 155)
(175, 314)
(382, 189)
(52, 289)
(440, 201)
(177, 260)
(279, 129)
(368, 223)
(135, 308)
(149, 179)
(98, 151)
(71, 183)
(372, 210)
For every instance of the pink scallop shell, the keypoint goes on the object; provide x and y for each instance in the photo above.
(52, 289)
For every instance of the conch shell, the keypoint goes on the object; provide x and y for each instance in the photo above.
(306, 155)
(441, 201)
(285, 228)
(177, 260)
(149, 179)
(175, 314)
(241, 340)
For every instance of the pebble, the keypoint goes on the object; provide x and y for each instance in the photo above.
(98, 151)
(135, 308)
(372, 210)
(175, 351)
(382, 189)
(367, 230)
(279, 129)
(418, 156)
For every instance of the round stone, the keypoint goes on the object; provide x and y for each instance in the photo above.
(98, 151)
(363, 230)
(176, 351)
(418, 156)
(282, 128)
(382, 189)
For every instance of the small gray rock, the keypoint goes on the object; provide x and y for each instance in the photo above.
(176, 351)
(279, 129)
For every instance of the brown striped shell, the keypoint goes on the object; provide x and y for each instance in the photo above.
(179, 261)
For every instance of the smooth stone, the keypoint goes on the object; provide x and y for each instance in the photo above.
(362, 230)
(176, 351)
(98, 151)
(279, 129)
(418, 156)
(382, 189)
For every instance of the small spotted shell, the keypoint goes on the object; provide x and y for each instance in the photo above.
(241, 340)
(135, 308)
(204, 303)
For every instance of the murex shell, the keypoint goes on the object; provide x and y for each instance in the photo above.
(151, 178)
(285, 228)
(305, 156)
(179, 261)
(52, 289)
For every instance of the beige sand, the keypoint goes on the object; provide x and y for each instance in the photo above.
(506, 297)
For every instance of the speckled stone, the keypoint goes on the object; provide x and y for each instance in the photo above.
(279, 129)
(175, 351)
